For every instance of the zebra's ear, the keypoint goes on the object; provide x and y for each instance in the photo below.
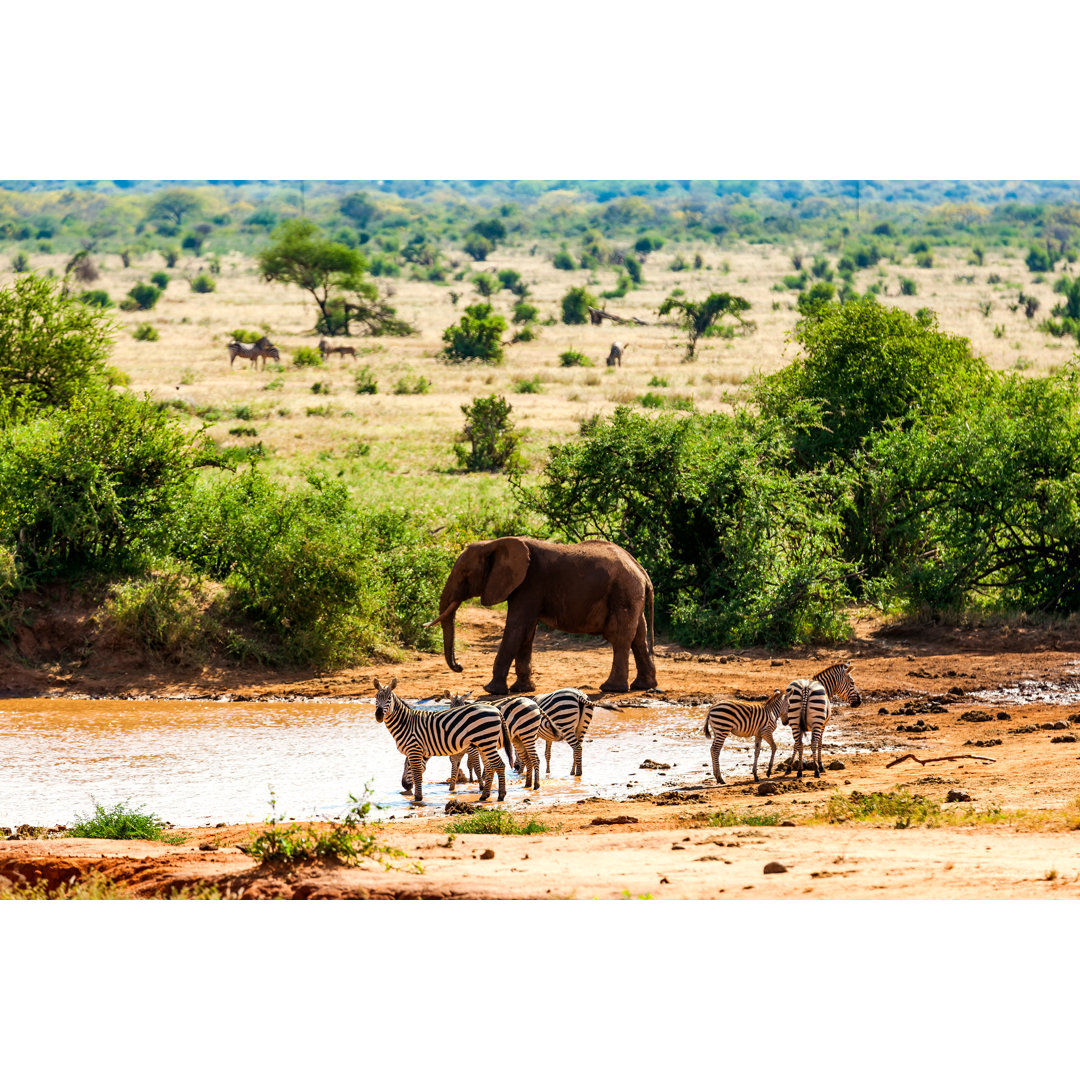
(378, 685)
(393, 682)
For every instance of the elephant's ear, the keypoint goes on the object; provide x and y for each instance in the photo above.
(509, 564)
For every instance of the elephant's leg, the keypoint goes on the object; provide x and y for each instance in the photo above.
(646, 669)
(618, 682)
(517, 629)
(524, 684)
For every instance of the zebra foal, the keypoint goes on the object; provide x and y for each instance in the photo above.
(421, 734)
(741, 718)
(808, 707)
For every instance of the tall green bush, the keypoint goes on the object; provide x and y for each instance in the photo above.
(477, 336)
(576, 304)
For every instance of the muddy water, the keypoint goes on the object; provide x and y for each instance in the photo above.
(204, 762)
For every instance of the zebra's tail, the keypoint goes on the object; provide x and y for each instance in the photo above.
(804, 725)
(508, 746)
(705, 730)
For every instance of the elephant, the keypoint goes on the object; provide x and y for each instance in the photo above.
(594, 587)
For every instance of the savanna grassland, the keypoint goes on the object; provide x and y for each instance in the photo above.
(395, 449)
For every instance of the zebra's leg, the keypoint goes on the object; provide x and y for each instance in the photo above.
(772, 757)
(416, 760)
(406, 778)
(815, 750)
(576, 744)
(757, 753)
(547, 757)
(531, 764)
(798, 750)
(476, 769)
(717, 746)
(455, 765)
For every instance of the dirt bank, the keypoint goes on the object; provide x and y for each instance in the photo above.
(923, 681)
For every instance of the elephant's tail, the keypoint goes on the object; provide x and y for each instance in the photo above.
(652, 626)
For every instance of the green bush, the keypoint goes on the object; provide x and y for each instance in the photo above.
(364, 380)
(490, 435)
(494, 823)
(95, 486)
(573, 358)
(161, 280)
(528, 386)
(96, 298)
(306, 356)
(908, 287)
(478, 336)
(322, 388)
(247, 337)
(20, 262)
(479, 247)
(1039, 261)
(120, 822)
(563, 260)
(487, 285)
(145, 332)
(141, 297)
(525, 312)
(740, 549)
(820, 294)
(575, 306)
(53, 348)
(415, 384)
(203, 283)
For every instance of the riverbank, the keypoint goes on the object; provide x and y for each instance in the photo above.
(1004, 694)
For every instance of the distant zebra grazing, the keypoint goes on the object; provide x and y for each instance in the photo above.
(808, 707)
(522, 719)
(419, 734)
(261, 348)
(747, 720)
(326, 349)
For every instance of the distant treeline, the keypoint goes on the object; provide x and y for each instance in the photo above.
(408, 222)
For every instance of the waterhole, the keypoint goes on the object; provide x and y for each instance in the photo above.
(205, 762)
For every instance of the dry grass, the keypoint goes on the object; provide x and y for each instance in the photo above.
(410, 461)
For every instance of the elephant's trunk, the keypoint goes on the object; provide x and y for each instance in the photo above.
(448, 605)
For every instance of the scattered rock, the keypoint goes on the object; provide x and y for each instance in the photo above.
(835, 766)
(769, 787)
(883, 711)
(1064, 738)
(917, 728)
(648, 763)
(487, 854)
(1025, 730)
(976, 716)
(956, 795)
(208, 847)
(1074, 718)
(666, 798)
(1003, 715)
(777, 663)
(456, 806)
(622, 819)
(983, 742)
(775, 868)
(787, 824)
(957, 691)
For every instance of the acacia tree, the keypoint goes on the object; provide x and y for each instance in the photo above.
(174, 205)
(699, 318)
(301, 255)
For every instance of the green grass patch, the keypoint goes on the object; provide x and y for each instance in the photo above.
(733, 817)
(121, 822)
(495, 822)
(900, 808)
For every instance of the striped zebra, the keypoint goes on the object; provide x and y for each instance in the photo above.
(261, 348)
(419, 734)
(522, 719)
(747, 720)
(476, 770)
(569, 714)
(810, 701)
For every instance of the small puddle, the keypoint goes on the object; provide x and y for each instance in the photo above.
(203, 762)
(1032, 692)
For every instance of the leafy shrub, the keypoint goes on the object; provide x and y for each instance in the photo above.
(494, 823)
(575, 306)
(820, 294)
(96, 485)
(322, 388)
(701, 319)
(528, 386)
(490, 435)
(52, 347)
(412, 384)
(203, 283)
(141, 297)
(699, 500)
(96, 298)
(528, 332)
(364, 380)
(306, 356)
(479, 247)
(908, 287)
(120, 822)
(658, 380)
(170, 255)
(244, 432)
(325, 581)
(648, 243)
(511, 281)
(573, 358)
(671, 401)
(925, 260)
(478, 336)
(486, 284)
(1039, 261)
(161, 280)
(563, 260)
(20, 262)
(162, 613)
(246, 337)
(145, 332)
(319, 410)
(633, 270)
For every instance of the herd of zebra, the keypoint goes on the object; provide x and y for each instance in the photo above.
(264, 350)
(477, 730)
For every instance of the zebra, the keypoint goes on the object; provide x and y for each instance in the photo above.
(442, 734)
(476, 770)
(522, 719)
(261, 348)
(326, 349)
(812, 700)
(569, 714)
(618, 351)
(746, 720)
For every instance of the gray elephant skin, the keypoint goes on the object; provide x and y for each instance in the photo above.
(594, 587)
